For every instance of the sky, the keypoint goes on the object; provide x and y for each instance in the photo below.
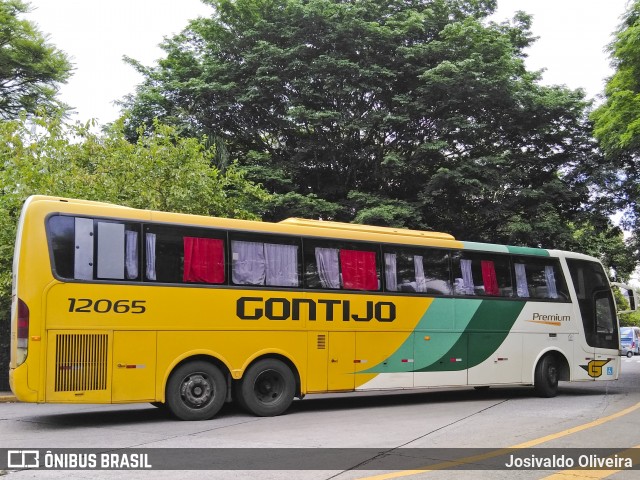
(96, 34)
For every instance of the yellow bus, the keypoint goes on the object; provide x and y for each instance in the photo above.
(117, 305)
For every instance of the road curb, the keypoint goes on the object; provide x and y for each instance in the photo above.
(7, 398)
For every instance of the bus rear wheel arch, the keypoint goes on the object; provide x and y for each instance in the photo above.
(196, 390)
(267, 388)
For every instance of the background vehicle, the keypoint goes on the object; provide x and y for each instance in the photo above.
(115, 305)
(630, 341)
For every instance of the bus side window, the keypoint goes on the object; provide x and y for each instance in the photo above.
(275, 262)
(333, 265)
(184, 255)
(61, 233)
(420, 271)
(483, 274)
(539, 278)
(92, 249)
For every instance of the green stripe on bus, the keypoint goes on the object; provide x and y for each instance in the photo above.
(486, 331)
(490, 247)
(441, 325)
(485, 247)
(528, 251)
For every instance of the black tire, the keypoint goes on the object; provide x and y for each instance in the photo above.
(629, 354)
(267, 388)
(546, 377)
(196, 391)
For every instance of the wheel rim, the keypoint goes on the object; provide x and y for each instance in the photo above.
(269, 386)
(197, 390)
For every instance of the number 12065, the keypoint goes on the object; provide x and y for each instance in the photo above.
(104, 305)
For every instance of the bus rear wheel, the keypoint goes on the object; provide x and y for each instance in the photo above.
(546, 377)
(196, 391)
(267, 388)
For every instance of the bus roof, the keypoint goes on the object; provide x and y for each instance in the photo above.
(76, 201)
(366, 228)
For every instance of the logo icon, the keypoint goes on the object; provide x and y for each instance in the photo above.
(594, 368)
(23, 459)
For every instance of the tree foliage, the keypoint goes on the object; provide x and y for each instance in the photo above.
(416, 113)
(30, 68)
(162, 170)
(617, 122)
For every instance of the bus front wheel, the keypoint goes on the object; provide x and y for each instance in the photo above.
(546, 377)
(267, 388)
(196, 391)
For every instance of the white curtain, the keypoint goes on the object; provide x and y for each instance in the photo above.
(550, 279)
(248, 263)
(131, 254)
(468, 288)
(282, 265)
(328, 267)
(150, 245)
(421, 281)
(522, 290)
(391, 272)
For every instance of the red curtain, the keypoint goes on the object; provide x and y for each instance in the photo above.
(489, 278)
(203, 260)
(358, 270)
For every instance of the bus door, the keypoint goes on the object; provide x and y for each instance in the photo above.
(597, 309)
(330, 365)
(134, 361)
(341, 366)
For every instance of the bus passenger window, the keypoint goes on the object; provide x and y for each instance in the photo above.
(482, 274)
(61, 232)
(265, 263)
(184, 255)
(91, 249)
(539, 279)
(420, 271)
(341, 266)
(404, 272)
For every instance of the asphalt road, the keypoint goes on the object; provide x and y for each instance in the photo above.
(344, 437)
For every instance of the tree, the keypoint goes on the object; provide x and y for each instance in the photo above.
(617, 122)
(413, 113)
(30, 68)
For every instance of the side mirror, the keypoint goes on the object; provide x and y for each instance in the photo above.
(630, 294)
